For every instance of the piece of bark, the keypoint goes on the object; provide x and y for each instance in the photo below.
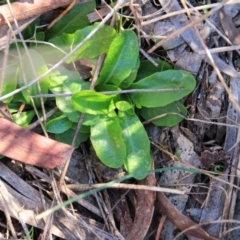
(30, 148)
(25, 10)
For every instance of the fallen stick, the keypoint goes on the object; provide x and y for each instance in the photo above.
(30, 148)
(28, 9)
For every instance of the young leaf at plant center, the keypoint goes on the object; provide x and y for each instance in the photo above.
(27, 73)
(23, 119)
(74, 20)
(168, 115)
(92, 102)
(121, 59)
(67, 137)
(9, 82)
(58, 125)
(137, 145)
(147, 68)
(181, 82)
(106, 137)
(131, 78)
(66, 82)
(95, 46)
(123, 105)
(127, 109)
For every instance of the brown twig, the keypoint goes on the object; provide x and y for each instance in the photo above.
(62, 14)
(25, 10)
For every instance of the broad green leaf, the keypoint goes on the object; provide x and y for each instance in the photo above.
(23, 119)
(73, 86)
(83, 129)
(73, 116)
(121, 59)
(58, 125)
(106, 137)
(131, 78)
(9, 82)
(147, 68)
(65, 105)
(92, 102)
(19, 98)
(123, 105)
(13, 107)
(75, 19)
(67, 137)
(64, 77)
(107, 88)
(90, 120)
(56, 79)
(40, 68)
(95, 46)
(180, 81)
(168, 115)
(137, 145)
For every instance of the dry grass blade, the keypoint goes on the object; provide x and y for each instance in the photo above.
(3, 202)
(31, 200)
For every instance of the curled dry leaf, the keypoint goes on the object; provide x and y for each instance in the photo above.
(30, 148)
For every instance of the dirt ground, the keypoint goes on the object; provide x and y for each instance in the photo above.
(173, 202)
